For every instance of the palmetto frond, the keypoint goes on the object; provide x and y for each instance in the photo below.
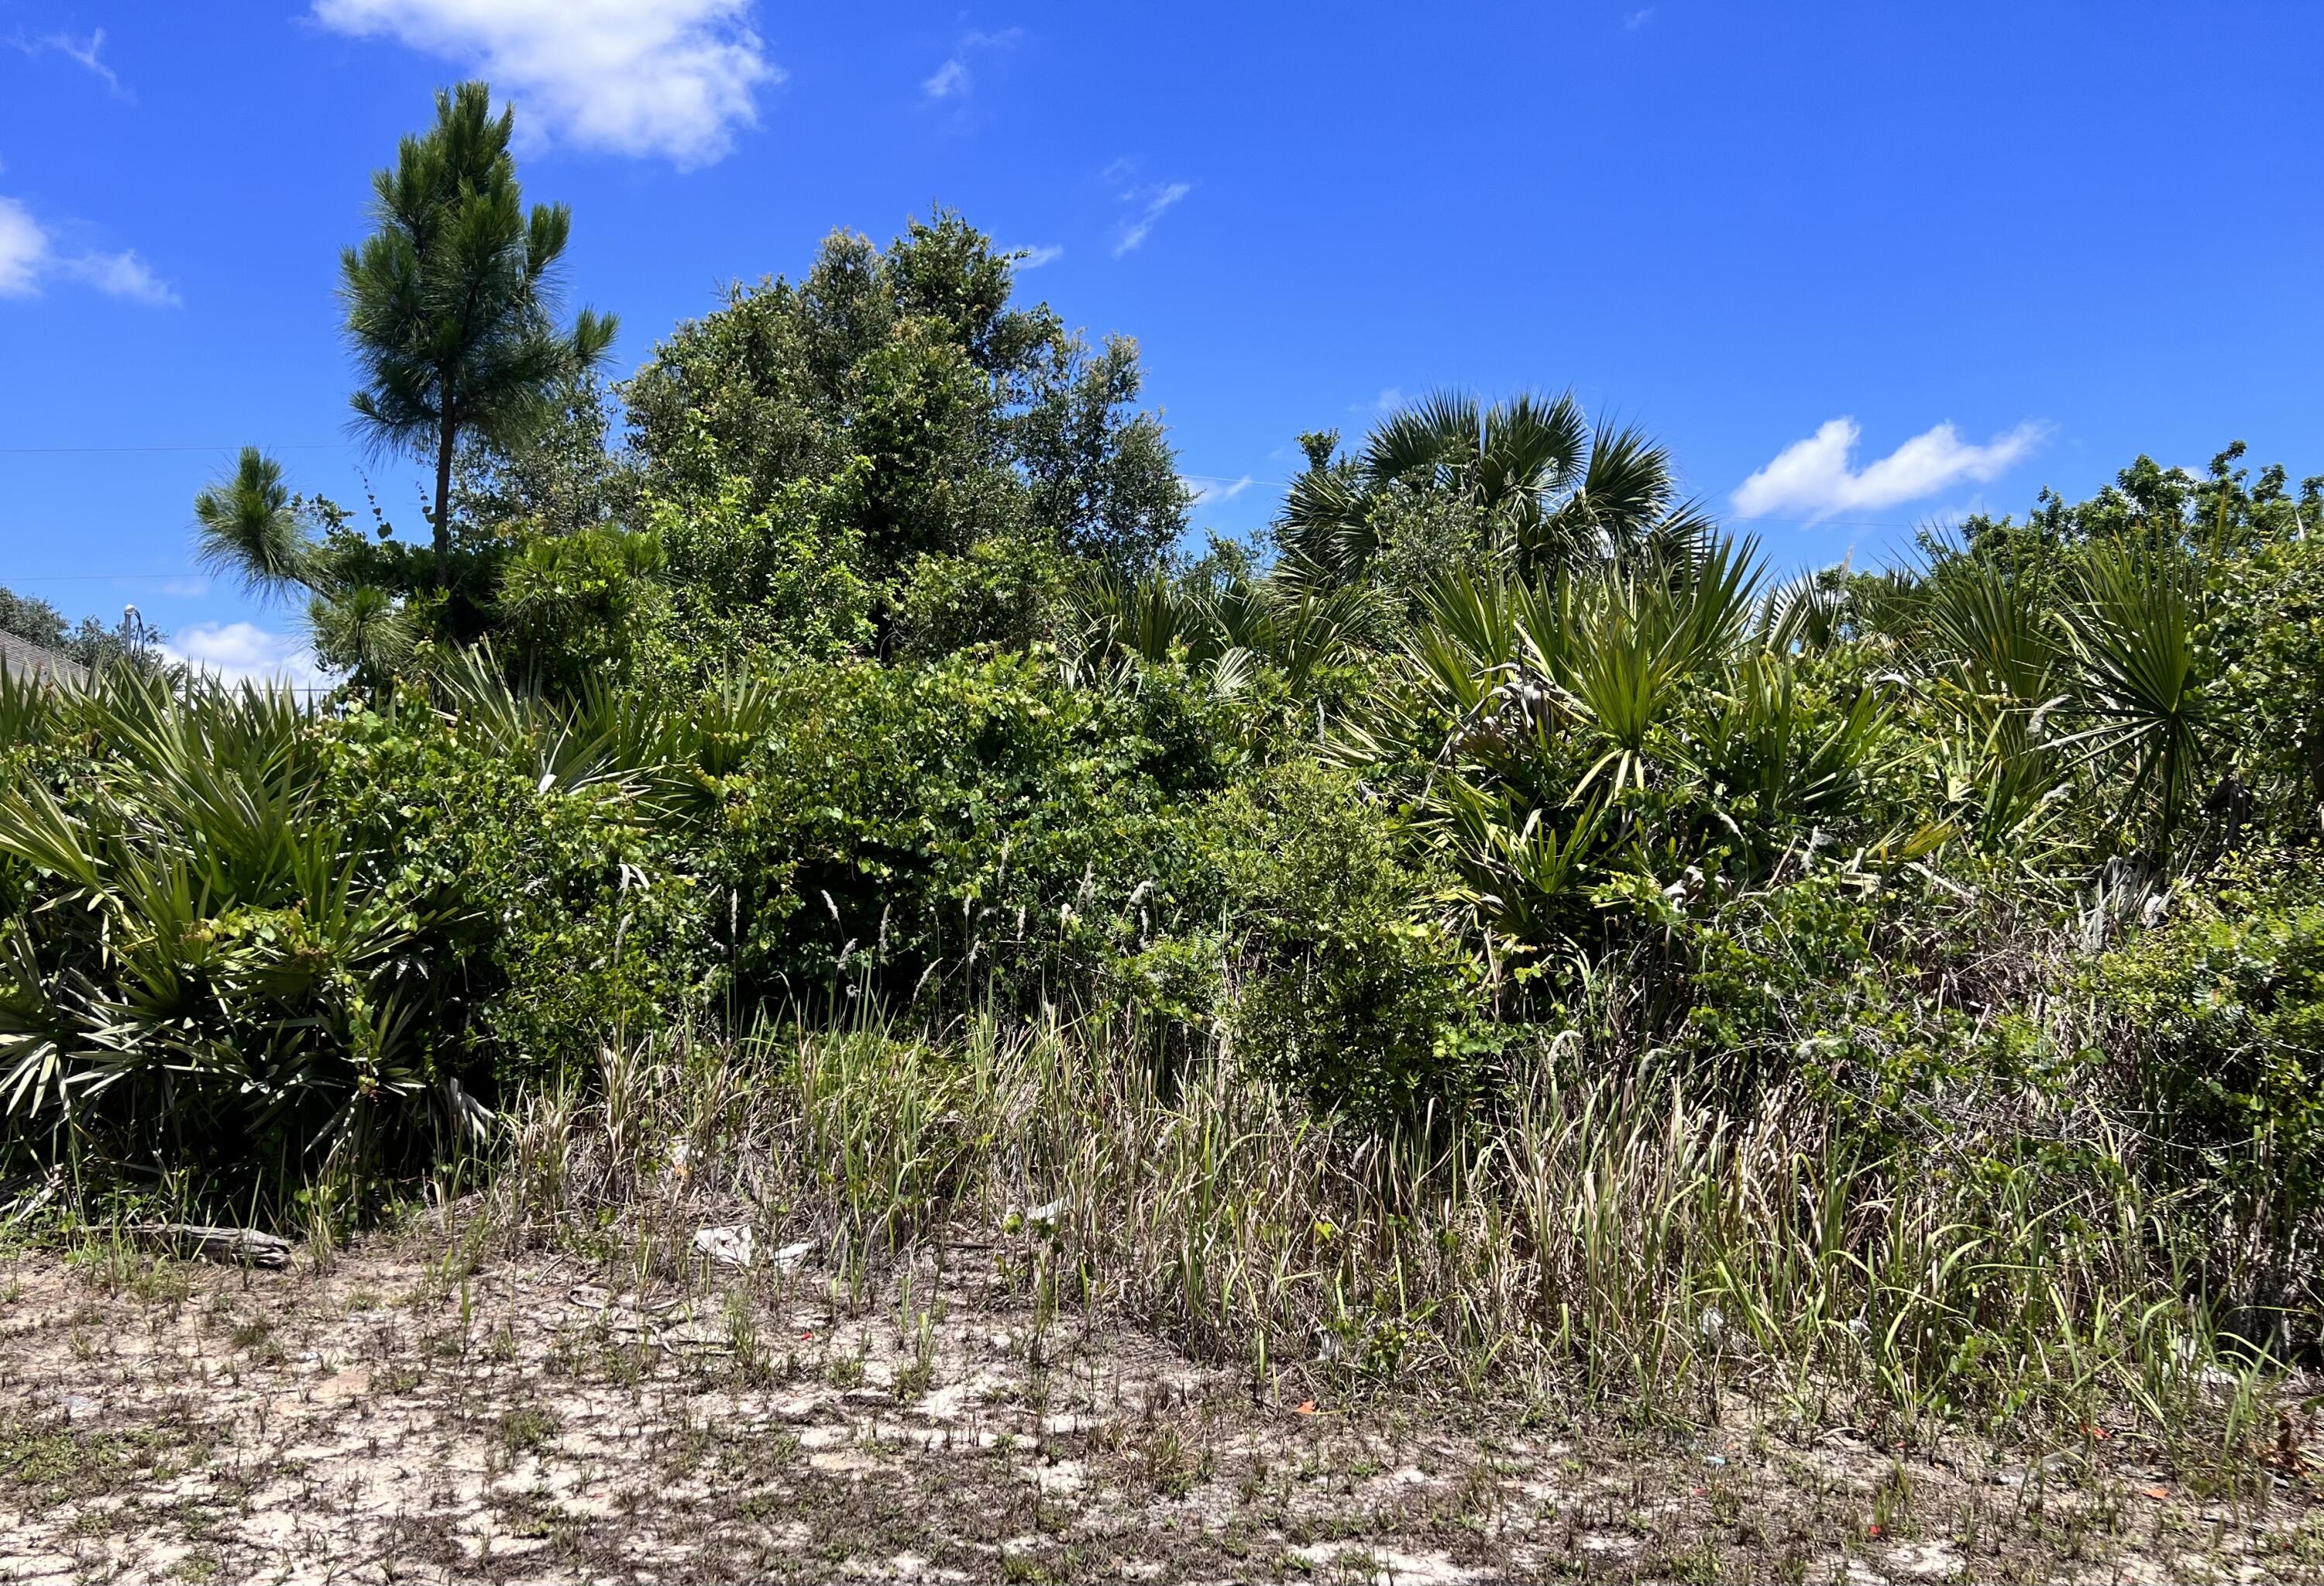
(2140, 686)
(1444, 430)
(1553, 492)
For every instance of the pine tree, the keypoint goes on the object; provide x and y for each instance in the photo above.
(451, 304)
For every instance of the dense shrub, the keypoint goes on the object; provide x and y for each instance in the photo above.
(780, 574)
(1007, 591)
(968, 824)
(2221, 1010)
(1344, 990)
(567, 913)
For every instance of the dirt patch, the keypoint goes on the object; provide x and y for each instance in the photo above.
(530, 1419)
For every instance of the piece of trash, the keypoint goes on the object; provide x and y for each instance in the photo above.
(789, 1258)
(1873, 1529)
(732, 1244)
(235, 1246)
(1711, 1323)
(2049, 1467)
(1714, 1458)
(1304, 1407)
(1046, 1216)
(2099, 1432)
(2158, 1492)
(695, 1333)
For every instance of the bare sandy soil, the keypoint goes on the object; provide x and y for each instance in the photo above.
(391, 1418)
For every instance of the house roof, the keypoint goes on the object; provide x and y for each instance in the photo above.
(22, 657)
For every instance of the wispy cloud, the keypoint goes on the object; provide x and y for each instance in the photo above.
(1151, 203)
(1390, 399)
(1816, 478)
(1638, 18)
(675, 78)
(1207, 491)
(954, 79)
(244, 652)
(85, 53)
(29, 256)
(122, 275)
(1034, 258)
(951, 80)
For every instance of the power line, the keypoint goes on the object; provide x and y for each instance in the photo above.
(55, 451)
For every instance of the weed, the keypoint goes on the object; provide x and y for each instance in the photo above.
(529, 1430)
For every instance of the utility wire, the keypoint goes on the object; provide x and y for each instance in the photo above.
(52, 451)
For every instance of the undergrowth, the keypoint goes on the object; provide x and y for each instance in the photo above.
(1606, 1243)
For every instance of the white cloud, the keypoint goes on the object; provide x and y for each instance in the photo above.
(28, 255)
(951, 77)
(1814, 477)
(1155, 200)
(122, 275)
(24, 251)
(672, 77)
(81, 53)
(1640, 18)
(1034, 258)
(244, 652)
(1207, 491)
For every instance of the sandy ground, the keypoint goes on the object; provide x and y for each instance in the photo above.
(392, 1418)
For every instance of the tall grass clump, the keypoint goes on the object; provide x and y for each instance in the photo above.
(1606, 1242)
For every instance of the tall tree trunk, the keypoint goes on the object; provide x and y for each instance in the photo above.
(444, 499)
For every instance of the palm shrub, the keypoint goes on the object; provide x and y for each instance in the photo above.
(2134, 629)
(202, 966)
(1227, 624)
(1988, 642)
(1590, 749)
(1450, 485)
(244, 942)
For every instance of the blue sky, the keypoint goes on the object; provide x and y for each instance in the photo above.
(1860, 265)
